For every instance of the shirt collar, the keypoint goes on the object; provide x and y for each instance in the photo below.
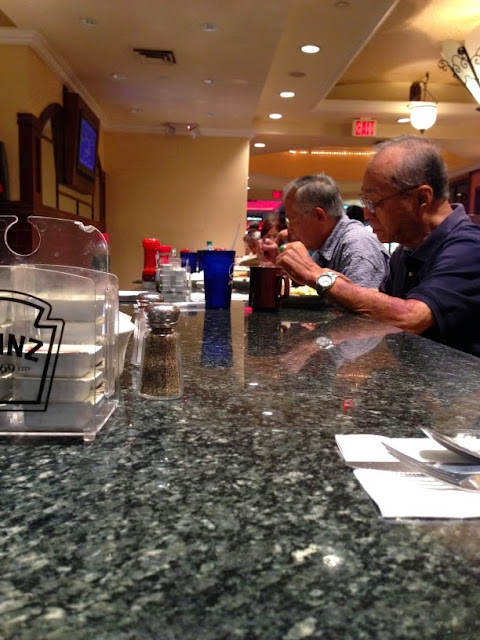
(438, 235)
(326, 250)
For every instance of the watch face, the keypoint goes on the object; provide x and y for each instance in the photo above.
(324, 342)
(325, 280)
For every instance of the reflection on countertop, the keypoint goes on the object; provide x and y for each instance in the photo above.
(229, 513)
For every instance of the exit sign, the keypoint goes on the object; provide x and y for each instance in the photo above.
(364, 128)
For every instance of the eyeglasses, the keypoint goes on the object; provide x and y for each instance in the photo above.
(368, 204)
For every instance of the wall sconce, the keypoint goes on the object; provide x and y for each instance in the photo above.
(464, 61)
(423, 114)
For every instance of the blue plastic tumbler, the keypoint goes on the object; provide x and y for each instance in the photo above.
(189, 258)
(218, 273)
(200, 254)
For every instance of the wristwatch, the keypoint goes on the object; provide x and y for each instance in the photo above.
(325, 281)
(324, 342)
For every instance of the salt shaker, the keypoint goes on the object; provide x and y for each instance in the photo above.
(143, 299)
(161, 365)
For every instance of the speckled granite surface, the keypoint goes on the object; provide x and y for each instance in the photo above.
(230, 514)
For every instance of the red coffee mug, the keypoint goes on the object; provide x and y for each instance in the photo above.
(266, 288)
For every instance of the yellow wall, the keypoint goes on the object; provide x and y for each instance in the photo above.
(27, 85)
(181, 190)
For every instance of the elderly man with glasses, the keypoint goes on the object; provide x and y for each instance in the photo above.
(433, 286)
(316, 217)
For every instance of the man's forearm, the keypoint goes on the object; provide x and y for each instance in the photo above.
(409, 315)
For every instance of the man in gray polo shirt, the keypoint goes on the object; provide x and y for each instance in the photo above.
(316, 217)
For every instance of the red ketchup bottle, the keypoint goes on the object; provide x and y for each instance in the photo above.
(150, 246)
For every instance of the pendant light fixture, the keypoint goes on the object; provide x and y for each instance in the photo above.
(423, 113)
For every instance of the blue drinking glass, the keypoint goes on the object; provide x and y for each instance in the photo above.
(218, 274)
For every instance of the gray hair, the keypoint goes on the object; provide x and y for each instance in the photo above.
(421, 163)
(315, 191)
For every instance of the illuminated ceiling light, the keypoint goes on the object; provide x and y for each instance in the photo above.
(310, 48)
(209, 81)
(403, 120)
(275, 116)
(287, 94)
(135, 110)
(464, 62)
(423, 114)
(88, 22)
(331, 152)
(118, 76)
(259, 145)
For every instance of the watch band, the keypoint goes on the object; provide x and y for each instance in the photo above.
(325, 281)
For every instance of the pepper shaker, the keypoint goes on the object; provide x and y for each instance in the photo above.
(143, 299)
(161, 375)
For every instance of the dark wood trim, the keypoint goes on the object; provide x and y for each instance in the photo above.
(30, 135)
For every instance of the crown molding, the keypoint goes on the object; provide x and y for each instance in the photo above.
(36, 41)
(163, 131)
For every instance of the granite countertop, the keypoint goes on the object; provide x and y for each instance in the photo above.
(229, 514)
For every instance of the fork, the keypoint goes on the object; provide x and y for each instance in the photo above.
(465, 481)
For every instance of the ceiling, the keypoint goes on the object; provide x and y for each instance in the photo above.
(371, 52)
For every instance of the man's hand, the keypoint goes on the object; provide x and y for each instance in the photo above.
(269, 250)
(296, 261)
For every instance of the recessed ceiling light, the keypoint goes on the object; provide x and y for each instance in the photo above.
(260, 145)
(118, 76)
(287, 94)
(403, 120)
(297, 74)
(209, 81)
(135, 109)
(88, 22)
(209, 27)
(341, 4)
(275, 116)
(310, 48)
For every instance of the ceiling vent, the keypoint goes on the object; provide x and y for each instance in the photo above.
(161, 55)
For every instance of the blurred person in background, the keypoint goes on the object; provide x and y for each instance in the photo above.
(355, 212)
(251, 242)
(271, 229)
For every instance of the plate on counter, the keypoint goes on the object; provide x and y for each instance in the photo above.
(241, 283)
(304, 297)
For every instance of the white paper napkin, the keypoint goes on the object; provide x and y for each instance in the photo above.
(403, 494)
(406, 495)
(367, 451)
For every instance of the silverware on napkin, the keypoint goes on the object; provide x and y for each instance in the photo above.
(460, 480)
(462, 445)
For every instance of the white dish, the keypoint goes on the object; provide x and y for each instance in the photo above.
(74, 360)
(73, 416)
(5, 386)
(63, 390)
